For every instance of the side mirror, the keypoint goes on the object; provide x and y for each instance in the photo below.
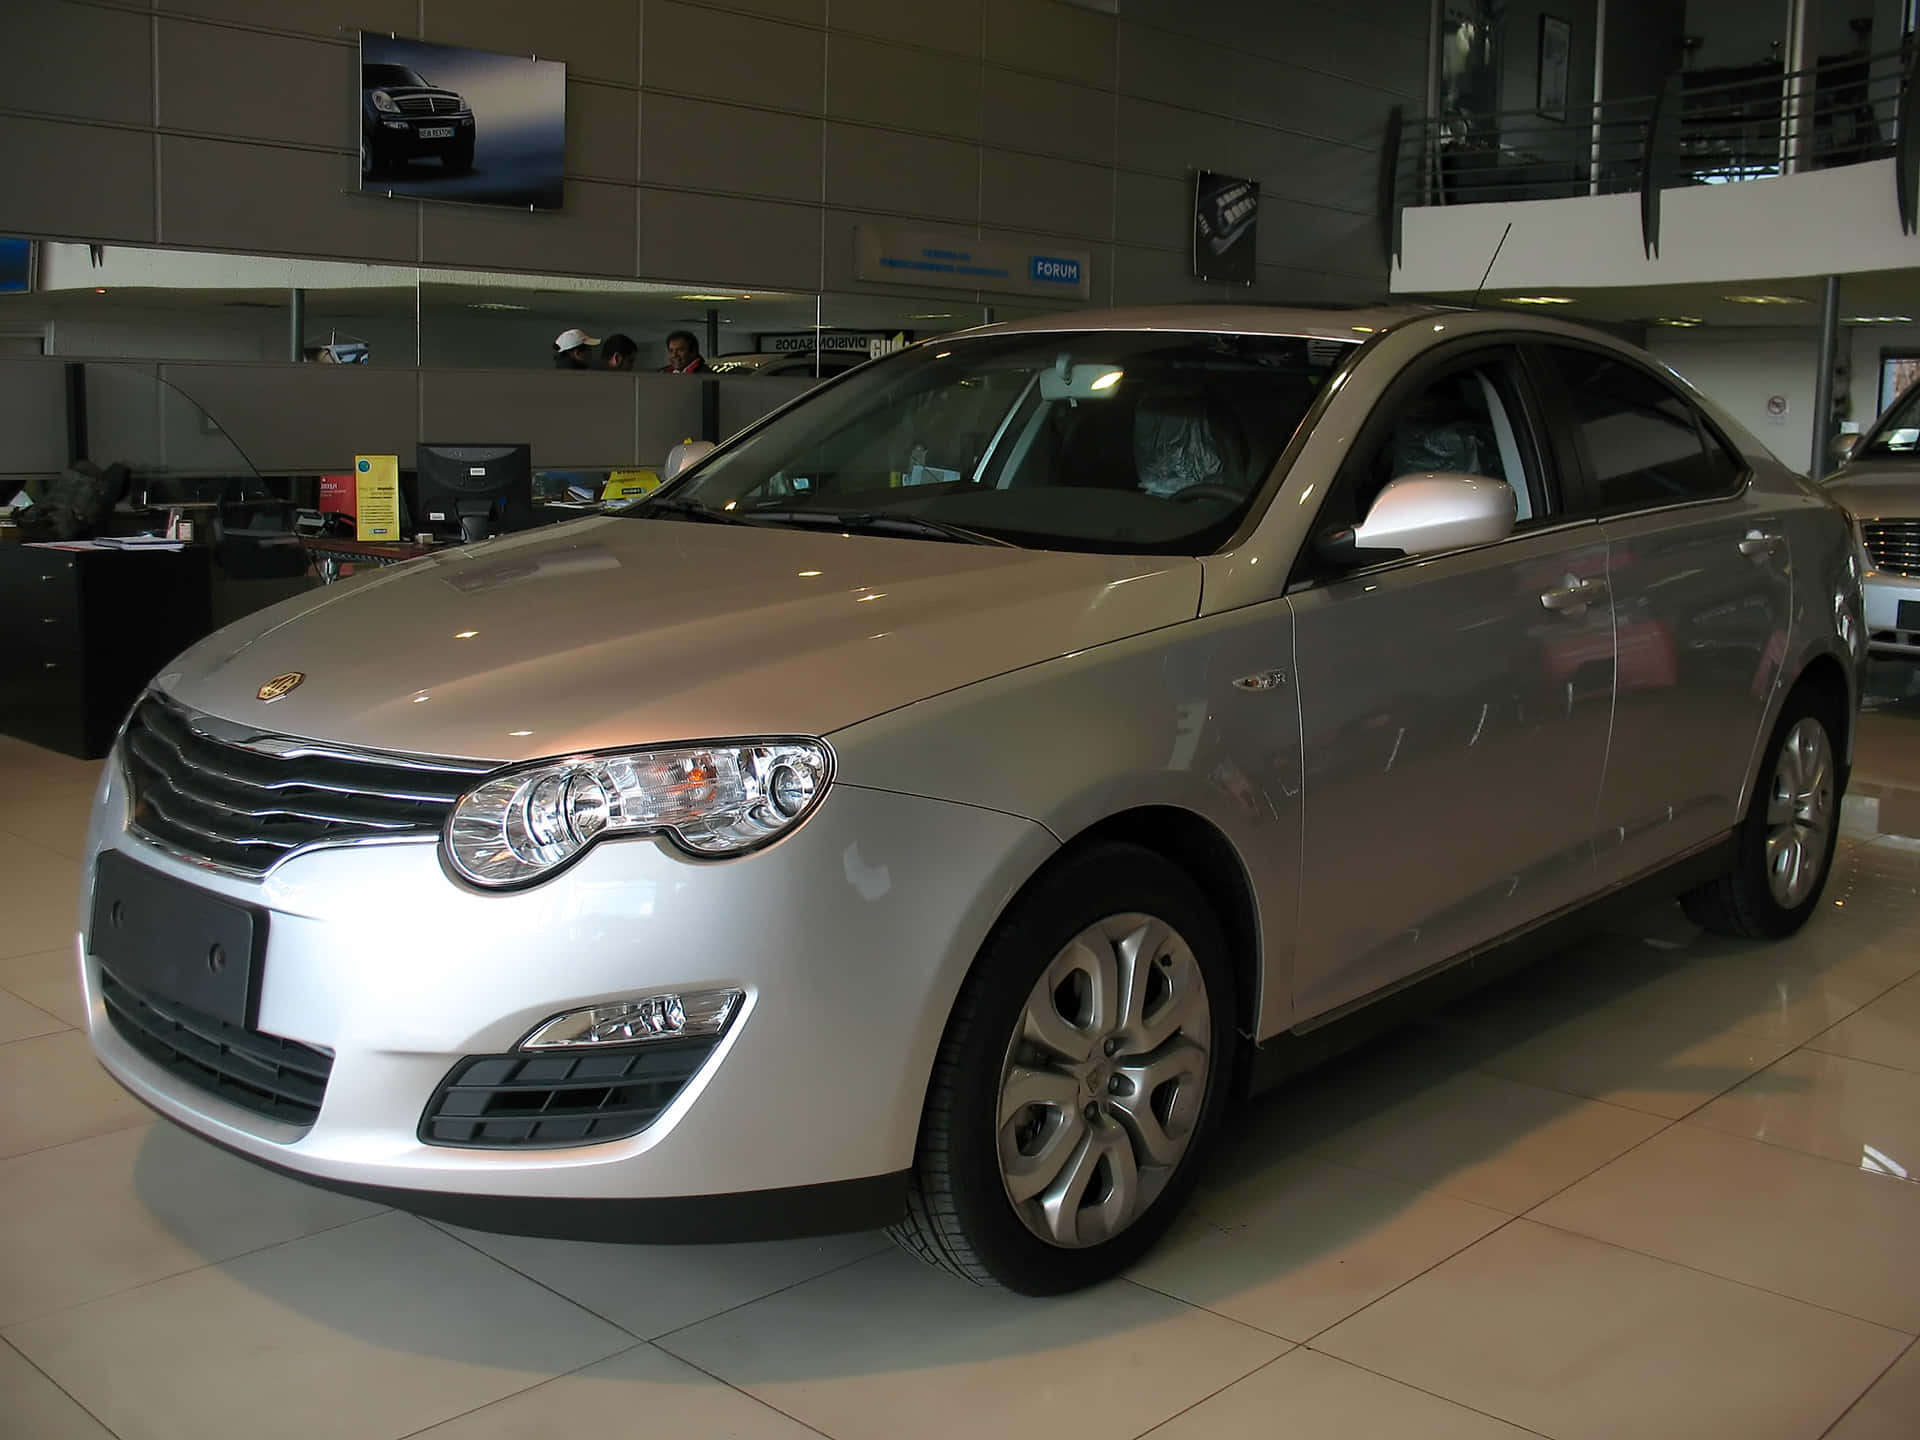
(683, 455)
(1421, 514)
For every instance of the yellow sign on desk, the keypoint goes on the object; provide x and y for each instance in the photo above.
(625, 484)
(376, 483)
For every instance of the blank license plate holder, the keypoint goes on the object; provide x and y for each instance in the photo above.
(162, 937)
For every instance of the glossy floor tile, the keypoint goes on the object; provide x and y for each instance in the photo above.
(378, 1328)
(855, 1352)
(1798, 1225)
(1650, 1187)
(1854, 1111)
(1585, 1341)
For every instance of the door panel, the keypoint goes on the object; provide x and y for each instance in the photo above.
(1702, 633)
(1454, 731)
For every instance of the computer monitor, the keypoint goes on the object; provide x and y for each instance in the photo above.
(472, 490)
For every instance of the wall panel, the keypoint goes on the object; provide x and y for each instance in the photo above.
(83, 182)
(260, 87)
(77, 61)
(695, 145)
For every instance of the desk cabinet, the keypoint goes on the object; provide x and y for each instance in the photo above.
(84, 630)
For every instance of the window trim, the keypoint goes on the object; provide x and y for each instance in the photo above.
(1570, 438)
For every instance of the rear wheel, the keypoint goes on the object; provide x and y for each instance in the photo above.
(1080, 1075)
(1784, 847)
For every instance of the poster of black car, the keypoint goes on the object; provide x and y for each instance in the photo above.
(438, 122)
(1226, 211)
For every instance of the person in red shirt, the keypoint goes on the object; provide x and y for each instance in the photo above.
(683, 354)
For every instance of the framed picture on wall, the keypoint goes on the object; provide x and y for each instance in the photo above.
(1555, 65)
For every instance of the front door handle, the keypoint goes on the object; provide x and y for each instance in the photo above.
(1758, 545)
(1573, 595)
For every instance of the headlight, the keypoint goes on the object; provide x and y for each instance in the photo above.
(383, 101)
(710, 800)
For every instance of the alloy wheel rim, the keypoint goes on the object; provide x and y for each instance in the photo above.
(1104, 1080)
(1799, 814)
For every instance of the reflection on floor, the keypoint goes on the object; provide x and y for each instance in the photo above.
(1661, 1185)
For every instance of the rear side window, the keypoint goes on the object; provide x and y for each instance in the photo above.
(1644, 442)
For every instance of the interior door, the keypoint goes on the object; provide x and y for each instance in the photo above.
(1454, 708)
(1702, 591)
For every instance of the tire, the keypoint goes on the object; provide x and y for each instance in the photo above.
(1125, 1072)
(1783, 848)
(460, 159)
(369, 158)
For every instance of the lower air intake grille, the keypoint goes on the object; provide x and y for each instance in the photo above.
(545, 1101)
(1894, 545)
(281, 1079)
(247, 803)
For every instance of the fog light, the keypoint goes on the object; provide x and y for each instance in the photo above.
(670, 1016)
(395, 124)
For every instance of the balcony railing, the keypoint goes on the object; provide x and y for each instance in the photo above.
(1704, 128)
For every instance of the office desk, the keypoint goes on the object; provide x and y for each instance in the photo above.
(328, 555)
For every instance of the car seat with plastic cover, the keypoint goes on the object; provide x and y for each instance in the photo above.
(1182, 441)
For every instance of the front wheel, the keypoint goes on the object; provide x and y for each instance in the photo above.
(1784, 847)
(1083, 1068)
(460, 157)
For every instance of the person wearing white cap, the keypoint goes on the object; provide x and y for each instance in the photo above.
(572, 350)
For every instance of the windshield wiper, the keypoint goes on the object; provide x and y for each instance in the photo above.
(692, 510)
(878, 522)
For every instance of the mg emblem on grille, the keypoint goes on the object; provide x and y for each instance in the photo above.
(280, 685)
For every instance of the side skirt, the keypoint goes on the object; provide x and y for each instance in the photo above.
(1292, 1052)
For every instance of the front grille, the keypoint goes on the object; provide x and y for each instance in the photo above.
(245, 806)
(1894, 545)
(427, 104)
(542, 1101)
(281, 1079)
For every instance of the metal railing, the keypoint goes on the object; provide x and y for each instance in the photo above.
(1701, 129)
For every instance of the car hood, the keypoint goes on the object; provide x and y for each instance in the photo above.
(622, 631)
(1875, 488)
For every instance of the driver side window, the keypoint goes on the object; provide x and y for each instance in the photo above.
(1464, 420)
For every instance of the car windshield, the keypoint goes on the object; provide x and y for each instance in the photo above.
(372, 76)
(1117, 441)
(1898, 432)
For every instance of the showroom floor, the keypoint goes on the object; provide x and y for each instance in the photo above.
(1660, 1185)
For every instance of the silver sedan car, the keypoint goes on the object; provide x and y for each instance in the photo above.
(940, 804)
(1880, 485)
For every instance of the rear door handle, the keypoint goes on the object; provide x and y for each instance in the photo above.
(1758, 545)
(1573, 595)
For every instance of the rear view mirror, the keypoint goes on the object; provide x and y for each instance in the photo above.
(1080, 382)
(1421, 514)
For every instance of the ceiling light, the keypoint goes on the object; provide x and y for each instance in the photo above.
(492, 305)
(716, 297)
(1537, 299)
(1683, 321)
(1764, 299)
(465, 634)
(99, 289)
(1878, 320)
(807, 574)
(933, 315)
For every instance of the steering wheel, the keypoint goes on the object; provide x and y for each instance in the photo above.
(1209, 492)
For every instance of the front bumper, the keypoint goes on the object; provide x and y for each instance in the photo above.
(401, 134)
(849, 939)
(1886, 634)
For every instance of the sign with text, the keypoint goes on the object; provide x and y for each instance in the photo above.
(960, 262)
(376, 483)
(805, 342)
(1226, 216)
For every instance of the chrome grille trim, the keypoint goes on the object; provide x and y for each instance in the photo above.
(233, 800)
(1893, 545)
